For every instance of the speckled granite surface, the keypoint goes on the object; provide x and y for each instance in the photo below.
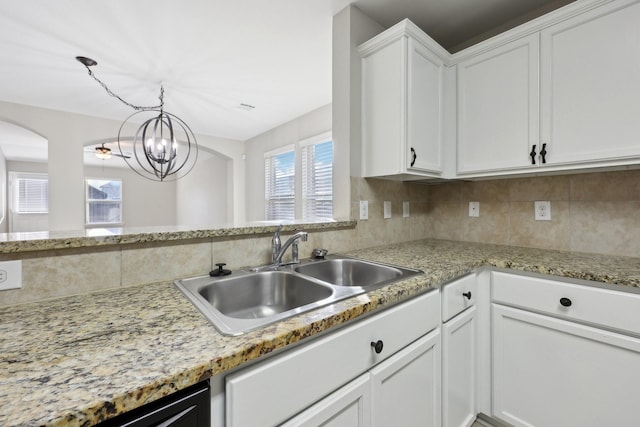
(79, 360)
(40, 241)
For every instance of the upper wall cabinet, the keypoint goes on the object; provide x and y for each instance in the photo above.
(498, 107)
(563, 98)
(591, 86)
(402, 104)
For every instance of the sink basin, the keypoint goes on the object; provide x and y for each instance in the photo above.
(262, 294)
(353, 272)
(247, 300)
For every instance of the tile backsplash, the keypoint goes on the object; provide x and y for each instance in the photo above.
(595, 212)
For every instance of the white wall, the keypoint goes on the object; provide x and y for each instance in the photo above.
(144, 202)
(350, 28)
(202, 195)
(66, 134)
(311, 124)
(3, 193)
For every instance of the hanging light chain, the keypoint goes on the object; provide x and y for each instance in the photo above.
(135, 107)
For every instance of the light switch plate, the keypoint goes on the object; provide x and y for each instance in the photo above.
(387, 209)
(474, 209)
(405, 210)
(364, 209)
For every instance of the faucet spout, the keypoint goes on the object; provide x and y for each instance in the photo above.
(293, 240)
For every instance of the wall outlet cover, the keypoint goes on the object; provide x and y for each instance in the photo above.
(387, 209)
(405, 210)
(542, 210)
(10, 275)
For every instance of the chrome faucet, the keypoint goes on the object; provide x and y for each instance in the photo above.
(279, 250)
(276, 244)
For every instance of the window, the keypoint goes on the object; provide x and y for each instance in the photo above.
(279, 188)
(299, 180)
(317, 179)
(31, 193)
(103, 201)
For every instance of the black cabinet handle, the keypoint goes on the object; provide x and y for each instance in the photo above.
(565, 302)
(533, 155)
(414, 156)
(377, 346)
(467, 294)
(543, 154)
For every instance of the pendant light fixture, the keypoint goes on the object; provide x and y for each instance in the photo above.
(163, 145)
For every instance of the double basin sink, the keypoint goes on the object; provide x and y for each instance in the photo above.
(247, 300)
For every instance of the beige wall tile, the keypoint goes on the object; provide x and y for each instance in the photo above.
(492, 226)
(243, 252)
(485, 191)
(446, 220)
(446, 192)
(609, 227)
(159, 263)
(524, 230)
(623, 185)
(64, 273)
(539, 188)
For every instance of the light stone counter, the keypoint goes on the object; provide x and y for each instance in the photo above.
(82, 359)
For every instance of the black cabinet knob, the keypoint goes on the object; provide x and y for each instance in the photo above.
(467, 294)
(377, 346)
(565, 302)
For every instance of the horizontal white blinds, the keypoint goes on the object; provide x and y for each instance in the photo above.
(33, 194)
(317, 181)
(279, 173)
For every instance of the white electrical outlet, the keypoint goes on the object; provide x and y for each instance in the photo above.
(405, 210)
(387, 209)
(542, 210)
(364, 209)
(474, 209)
(10, 275)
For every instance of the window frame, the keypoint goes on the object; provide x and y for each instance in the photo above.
(87, 203)
(303, 147)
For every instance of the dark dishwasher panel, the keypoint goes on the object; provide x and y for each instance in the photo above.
(186, 408)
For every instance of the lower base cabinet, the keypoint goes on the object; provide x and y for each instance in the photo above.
(459, 370)
(404, 390)
(383, 370)
(563, 354)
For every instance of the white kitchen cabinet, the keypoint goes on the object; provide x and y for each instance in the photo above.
(560, 356)
(406, 388)
(498, 109)
(590, 84)
(274, 391)
(350, 406)
(402, 104)
(560, 98)
(459, 352)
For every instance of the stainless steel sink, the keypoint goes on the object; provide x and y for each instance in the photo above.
(353, 272)
(247, 300)
(262, 294)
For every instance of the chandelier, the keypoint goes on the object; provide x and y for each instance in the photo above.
(163, 145)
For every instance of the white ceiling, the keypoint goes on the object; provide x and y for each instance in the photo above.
(210, 55)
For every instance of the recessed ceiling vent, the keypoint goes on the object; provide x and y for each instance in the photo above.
(246, 107)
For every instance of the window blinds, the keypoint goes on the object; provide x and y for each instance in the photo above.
(317, 180)
(279, 173)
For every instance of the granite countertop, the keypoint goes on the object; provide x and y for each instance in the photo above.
(82, 359)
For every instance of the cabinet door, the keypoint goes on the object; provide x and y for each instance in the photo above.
(350, 406)
(459, 370)
(406, 387)
(498, 107)
(551, 372)
(591, 85)
(425, 97)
